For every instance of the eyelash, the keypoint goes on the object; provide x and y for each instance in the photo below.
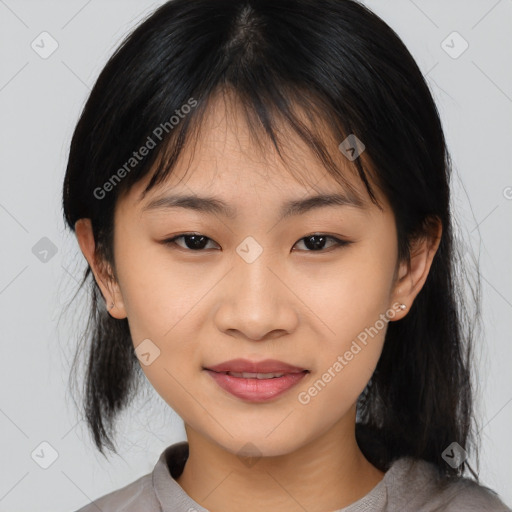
(338, 243)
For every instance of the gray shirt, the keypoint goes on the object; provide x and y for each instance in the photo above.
(407, 486)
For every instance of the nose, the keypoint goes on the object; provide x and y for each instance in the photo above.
(256, 301)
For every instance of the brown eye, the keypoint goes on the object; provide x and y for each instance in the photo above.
(314, 243)
(192, 241)
(317, 242)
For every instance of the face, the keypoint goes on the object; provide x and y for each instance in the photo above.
(313, 289)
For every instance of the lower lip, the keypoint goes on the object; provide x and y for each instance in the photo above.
(256, 390)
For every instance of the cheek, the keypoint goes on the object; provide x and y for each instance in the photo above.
(353, 304)
(162, 302)
(349, 296)
(344, 363)
(157, 293)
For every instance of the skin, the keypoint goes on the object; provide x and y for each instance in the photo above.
(300, 306)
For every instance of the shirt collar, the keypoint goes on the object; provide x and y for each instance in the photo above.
(170, 495)
(173, 498)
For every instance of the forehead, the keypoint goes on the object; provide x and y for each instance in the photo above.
(227, 157)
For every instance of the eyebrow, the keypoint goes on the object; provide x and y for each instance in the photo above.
(215, 206)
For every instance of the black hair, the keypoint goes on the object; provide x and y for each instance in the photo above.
(339, 63)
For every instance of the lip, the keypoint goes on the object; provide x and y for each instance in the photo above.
(266, 366)
(253, 389)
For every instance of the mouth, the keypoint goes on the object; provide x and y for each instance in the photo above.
(238, 367)
(256, 381)
(249, 375)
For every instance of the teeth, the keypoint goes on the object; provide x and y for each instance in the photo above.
(247, 375)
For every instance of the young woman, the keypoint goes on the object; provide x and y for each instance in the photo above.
(261, 191)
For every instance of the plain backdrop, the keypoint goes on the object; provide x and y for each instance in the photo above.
(41, 97)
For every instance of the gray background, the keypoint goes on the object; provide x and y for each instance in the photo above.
(40, 100)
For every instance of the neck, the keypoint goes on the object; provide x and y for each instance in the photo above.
(327, 474)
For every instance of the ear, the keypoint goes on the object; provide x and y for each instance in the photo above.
(101, 270)
(412, 274)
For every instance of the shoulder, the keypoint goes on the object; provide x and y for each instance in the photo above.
(416, 485)
(133, 497)
(151, 491)
(468, 496)
(473, 497)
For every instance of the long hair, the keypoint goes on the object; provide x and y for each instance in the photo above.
(341, 64)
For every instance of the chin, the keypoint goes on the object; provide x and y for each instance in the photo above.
(260, 445)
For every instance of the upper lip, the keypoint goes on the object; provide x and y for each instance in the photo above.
(246, 366)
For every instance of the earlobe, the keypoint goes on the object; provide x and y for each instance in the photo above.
(413, 273)
(109, 288)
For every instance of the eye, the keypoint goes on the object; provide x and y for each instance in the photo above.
(193, 241)
(313, 243)
(317, 241)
